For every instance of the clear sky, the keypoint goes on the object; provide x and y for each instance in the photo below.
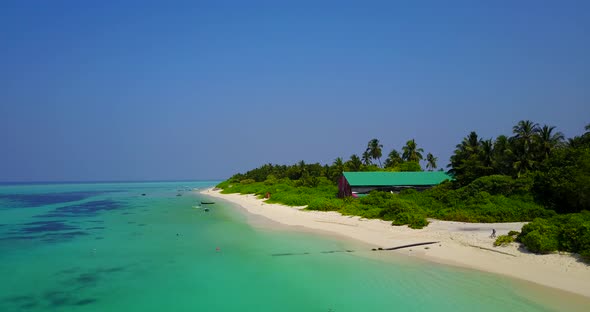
(99, 90)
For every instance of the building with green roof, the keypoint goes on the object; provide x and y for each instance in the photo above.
(352, 183)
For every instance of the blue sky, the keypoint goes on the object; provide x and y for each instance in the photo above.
(200, 90)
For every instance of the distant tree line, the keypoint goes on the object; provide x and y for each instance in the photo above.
(308, 174)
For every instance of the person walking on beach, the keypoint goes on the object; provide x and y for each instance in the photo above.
(493, 233)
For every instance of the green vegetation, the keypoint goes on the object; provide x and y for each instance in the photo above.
(504, 240)
(532, 175)
(568, 232)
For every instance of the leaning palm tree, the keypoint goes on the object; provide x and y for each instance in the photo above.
(547, 141)
(431, 162)
(375, 150)
(411, 152)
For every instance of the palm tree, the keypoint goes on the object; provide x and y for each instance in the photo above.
(522, 164)
(503, 156)
(302, 167)
(469, 146)
(393, 159)
(465, 161)
(487, 153)
(411, 152)
(524, 134)
(337, 168)
(354, 164)
(525, 131)
(587, 133)
(374, 149)
(431, 162)
(471, 143)
(366, 158)
(547, 141)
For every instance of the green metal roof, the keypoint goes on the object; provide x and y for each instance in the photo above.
(384, 178)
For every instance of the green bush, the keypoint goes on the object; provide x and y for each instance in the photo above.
(513, 233)
(326, 204)
(504, 240)
(538, 242)
(570, 232)
(413, 220)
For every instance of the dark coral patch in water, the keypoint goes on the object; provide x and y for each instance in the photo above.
(18, 299)
(23, 302)
(68, 271)
(85, 302)
(96, 228)
(58, 298)
(112, 270)
(61, 237)
(37, 200)
(87, 279)
(47, 237)
(46, 226)
(88, 209)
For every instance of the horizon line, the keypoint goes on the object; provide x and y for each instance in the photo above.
(103, 181)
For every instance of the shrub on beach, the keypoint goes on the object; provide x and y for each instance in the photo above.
(569, 232)
(504, 240)
(413, 220)
(539, 242)
(326, 204)
(513, 233)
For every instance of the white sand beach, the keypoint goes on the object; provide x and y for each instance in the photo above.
(461, 244)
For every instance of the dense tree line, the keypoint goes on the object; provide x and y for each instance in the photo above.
(533, 175)
(559, 170)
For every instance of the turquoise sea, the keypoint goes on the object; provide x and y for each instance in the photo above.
(108, 247)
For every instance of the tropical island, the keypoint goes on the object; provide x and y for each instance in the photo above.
(534, 176)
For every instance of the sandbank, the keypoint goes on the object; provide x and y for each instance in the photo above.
(460, 244)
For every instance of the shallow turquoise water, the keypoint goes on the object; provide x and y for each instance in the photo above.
(105, 247)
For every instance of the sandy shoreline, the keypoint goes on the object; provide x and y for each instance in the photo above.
(461, 244)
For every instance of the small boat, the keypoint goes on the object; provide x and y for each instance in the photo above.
(206, 209)
(207, 203)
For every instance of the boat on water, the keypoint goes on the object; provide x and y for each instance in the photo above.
(207, 203)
